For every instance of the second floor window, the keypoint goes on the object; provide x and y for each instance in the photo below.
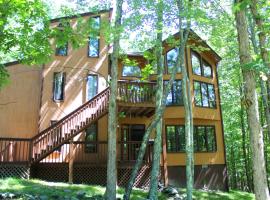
(171, 58)
(175, 96)
(92, 86)
(200, 66)
(58, 86)
(91, 139)
(93, 44)
(134, 71)
(204, 95)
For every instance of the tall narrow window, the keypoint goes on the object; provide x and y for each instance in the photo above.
(91, 139)
(92, 86)
(196, 64)
(171, 60)
(175, 95)
(200, 66)
(204, 95)
(62, 49)
(175, 136)
(58, 86)
(93, 44)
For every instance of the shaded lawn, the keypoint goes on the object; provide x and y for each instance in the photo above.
(38, 187)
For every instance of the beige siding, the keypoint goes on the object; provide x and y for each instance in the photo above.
(19, 102)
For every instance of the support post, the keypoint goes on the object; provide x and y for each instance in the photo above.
(164, 155)
(71, 161)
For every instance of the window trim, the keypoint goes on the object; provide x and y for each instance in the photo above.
(95, 145)
(201, 60)
(194, 127)
(53, 87)
(98, 38)
(201, 106)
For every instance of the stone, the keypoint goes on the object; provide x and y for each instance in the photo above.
(55, 196)
(81, 194)
(171, 191)
(43, 197)
(67, 191)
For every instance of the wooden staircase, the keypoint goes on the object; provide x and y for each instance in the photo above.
(68, 127)
(134, 99)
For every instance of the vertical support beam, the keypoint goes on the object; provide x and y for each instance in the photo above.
(164, 155)
(71, 161)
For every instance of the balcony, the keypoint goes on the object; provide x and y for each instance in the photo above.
(136, 99)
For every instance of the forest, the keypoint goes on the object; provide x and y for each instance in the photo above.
(237, 30)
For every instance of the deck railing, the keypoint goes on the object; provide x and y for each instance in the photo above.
(96, 152)
(14, 150)
(136, 92)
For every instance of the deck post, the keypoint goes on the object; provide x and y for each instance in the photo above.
(71, 161)
(164, 155)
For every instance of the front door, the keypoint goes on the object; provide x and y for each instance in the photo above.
(132, 136)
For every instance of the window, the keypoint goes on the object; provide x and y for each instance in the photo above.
(93, 43)
(175, 138)
(58, 86)
(200, 66)
(91, 139)
(171, 57)
(92, 86)
(131, 71)
(204, 94)
(62, 50)
(175, 95)
(204, 139)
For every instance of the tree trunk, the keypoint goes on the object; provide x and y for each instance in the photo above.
(186, 91)
(251, 102)
(265, 60)
(153, 192)
(110, 193)
(243, 129)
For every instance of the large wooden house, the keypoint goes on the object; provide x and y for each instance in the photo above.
(53, 118)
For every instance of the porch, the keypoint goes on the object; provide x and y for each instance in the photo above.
(86, 162)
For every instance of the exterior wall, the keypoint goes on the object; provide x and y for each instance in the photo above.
(77, 65)
(19, 102)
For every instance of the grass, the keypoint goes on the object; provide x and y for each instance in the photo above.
(38, 187)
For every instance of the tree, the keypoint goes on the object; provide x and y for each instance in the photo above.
(251, 102)
(112, 118)
(186, 88)
(160, 69)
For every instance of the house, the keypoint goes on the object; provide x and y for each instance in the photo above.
(54, 117)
